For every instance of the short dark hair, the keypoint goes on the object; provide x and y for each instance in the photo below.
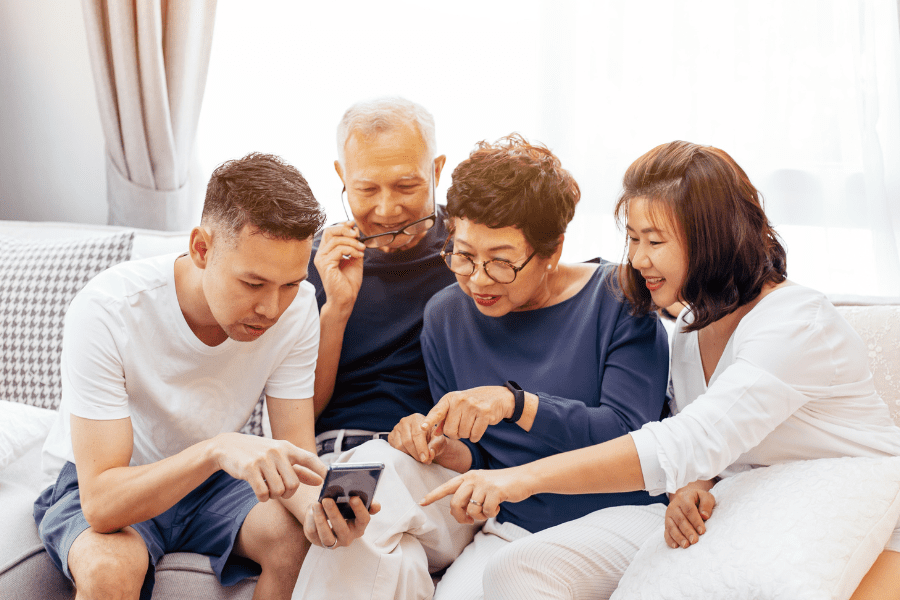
(513, 183)
(732, 249)
(263, 191)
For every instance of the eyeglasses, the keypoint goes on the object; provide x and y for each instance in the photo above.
(386, 239)
(499, 270)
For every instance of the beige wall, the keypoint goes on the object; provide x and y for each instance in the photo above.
(51, 144)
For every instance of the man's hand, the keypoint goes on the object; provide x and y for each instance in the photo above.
(468, 413)
(341, 277)
(325, 526)
(687, 512)
(273, 468)
(422, 444)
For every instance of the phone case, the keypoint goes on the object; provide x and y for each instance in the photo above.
(351, 479)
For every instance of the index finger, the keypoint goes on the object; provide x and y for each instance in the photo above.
(307, 465)
(437, 414)
(443, 490)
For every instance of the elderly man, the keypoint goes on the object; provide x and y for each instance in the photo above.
(373, 276)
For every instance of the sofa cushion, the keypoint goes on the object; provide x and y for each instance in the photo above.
(801, 530)
(879, 327)
(38, 280)
(24, 427)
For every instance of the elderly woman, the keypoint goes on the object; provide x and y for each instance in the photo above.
(526, 357)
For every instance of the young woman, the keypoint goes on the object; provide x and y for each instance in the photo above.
(764, 371)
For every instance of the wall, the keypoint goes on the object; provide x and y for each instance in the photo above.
(51, 145)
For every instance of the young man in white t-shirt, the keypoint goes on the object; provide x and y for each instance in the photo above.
(157, 383)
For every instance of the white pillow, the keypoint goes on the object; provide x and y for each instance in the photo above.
(802, 530)
(21, 428)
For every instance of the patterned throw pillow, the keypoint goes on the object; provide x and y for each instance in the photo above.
(38, 279)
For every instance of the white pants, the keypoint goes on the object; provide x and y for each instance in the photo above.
(581, 559)
(403, 544)
(462, 581)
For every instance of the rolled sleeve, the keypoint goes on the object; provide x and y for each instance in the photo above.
(651, 467)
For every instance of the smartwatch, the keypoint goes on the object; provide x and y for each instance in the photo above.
(519, 393)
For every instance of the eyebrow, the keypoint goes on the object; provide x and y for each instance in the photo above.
(645, 229)
(254, 276)
(494, 249)
(408, 177)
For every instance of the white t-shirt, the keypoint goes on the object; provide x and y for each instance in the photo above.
(128, 352)
(793, 383)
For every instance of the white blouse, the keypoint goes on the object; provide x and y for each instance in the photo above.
(792, 384)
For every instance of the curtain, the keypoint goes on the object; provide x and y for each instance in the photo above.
(150, 60)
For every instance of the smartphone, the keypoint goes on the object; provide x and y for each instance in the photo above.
(346, 480)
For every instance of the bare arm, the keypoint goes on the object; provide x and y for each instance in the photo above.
(293, 421)
(341, 280)
(609, 467)
(115, 495)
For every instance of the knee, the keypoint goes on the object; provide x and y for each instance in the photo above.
(285, 533)
(117, 570)
(505, 568)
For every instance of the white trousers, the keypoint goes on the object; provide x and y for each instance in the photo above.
(403, 544)
(582, 559)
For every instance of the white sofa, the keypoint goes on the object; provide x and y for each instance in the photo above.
(26, 571)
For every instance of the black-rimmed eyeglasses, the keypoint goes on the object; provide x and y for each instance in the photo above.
(386, 239)
(501, 271)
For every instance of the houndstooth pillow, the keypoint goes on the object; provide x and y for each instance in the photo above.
(38, 280)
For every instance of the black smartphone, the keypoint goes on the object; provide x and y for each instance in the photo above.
(345, 480)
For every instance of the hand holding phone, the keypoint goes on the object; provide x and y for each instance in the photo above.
(345, 480)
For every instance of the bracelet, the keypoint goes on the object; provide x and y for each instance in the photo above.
(519, 393)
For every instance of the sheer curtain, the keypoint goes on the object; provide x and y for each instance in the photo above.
(803, 94)
(150, 59)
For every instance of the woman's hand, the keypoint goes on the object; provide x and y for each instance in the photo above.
(422, 444)
(468, 413)
(477, 494)
(325, 526)
(341, 277)
(687, 512)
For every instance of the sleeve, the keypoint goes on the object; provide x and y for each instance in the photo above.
(776, 367)
(92, 371)
(440, 374)
(294, 377)
(633, 378)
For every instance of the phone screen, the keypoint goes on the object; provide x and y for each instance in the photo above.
(346, 480)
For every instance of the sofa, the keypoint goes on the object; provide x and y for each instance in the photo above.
(25, 570)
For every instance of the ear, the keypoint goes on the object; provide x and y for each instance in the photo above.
(438, 168)
(200, 244)
(340, 171)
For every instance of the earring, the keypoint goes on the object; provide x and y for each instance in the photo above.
(549, 267)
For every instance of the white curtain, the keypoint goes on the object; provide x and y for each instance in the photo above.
(150, 61)
(804, 95)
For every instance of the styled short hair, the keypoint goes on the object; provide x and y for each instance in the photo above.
(732, 249)
(513, 183)
(372, 117)
(265, 192)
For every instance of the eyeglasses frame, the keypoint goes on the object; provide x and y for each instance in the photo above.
(483, 264)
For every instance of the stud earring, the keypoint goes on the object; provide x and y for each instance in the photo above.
(549, 267)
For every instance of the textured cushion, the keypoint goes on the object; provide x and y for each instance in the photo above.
(879, 327)
(38, 280)
(802, 530)
(23, 428)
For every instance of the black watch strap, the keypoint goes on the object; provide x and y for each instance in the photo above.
(519, 393)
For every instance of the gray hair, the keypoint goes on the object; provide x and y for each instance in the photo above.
(384, 114)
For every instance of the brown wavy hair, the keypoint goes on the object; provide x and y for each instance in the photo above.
(263, 191)
(732, 249)
(513, 183)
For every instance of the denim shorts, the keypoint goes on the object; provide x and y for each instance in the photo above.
(206, 521)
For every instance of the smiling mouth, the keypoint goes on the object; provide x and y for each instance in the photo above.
(485, 299)
(654, 283)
